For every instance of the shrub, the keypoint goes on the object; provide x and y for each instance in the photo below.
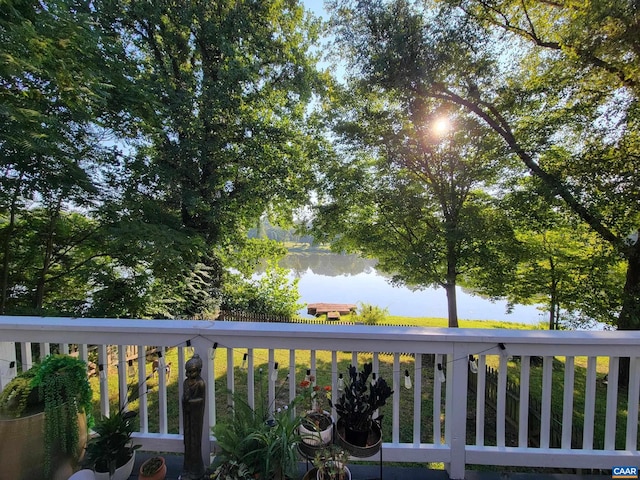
(372, 314)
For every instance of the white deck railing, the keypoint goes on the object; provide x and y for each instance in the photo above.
(442, 417)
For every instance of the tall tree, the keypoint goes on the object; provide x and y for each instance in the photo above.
(228, 135)
(538, 74)
(55, 85)
(412, 198)
(562, 265)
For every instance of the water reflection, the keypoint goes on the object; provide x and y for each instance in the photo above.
(327, 264)
(327, 277)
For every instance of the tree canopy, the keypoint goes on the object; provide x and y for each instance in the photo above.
(557, 81)
(170, 127)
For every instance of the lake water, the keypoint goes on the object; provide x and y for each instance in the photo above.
(327, 277)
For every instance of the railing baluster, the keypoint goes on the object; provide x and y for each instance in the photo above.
(395, 409)
(334, 381)
(523, 413)
(251, 379)
(612, 405)
(292, 375)
(501, 401)
(271, 396)
(123, 385)
(545, 417)
(589, 403)
(184, 352)
(567, 402)
(231, 384)
(162, 391)
(417, 398)
(437, 398)
(26, 356)
(480, 398)
(103, 372)
(632, 411)
(45, 349)
(143, 412)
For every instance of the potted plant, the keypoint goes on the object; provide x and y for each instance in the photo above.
(111, 452)
(356, 407)
(236, 449)
(331, 463)
(153, 468)
(316, 428)
(47, 406)
(277, 445)
(254, 445)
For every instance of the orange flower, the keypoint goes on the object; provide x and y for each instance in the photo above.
(305, 383)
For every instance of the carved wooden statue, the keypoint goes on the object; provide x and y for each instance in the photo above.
(193, 398)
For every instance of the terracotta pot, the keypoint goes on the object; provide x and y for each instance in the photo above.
(159, 474)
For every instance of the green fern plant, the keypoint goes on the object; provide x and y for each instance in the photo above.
(63, 387)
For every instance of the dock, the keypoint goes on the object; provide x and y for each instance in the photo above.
(333, 311)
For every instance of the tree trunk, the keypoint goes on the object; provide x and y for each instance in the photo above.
(629, 318)
(6, 252)
(6, 249)
(452, 304)
(48, 254)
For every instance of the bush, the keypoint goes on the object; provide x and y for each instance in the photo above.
(372, 314)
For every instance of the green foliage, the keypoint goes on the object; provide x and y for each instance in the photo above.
(276, 445)
(564, 104)
(372, 314)
(272, 293)
(417, 202)
(59, 387)
(233, 437)
(112, 447)
(330, 462)
(361, 398)
(258, 444)
(63, 385)
(170, 149)
(19, 398)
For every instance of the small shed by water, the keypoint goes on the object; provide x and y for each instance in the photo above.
(332, 310)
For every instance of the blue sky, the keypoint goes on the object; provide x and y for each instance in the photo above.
(317, 6)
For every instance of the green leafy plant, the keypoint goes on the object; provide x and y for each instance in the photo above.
(276, 445)
(234, 441)
(372, 314)
(231, 470)
(331, 462)
(265, 445)
(19, 398)
(112, 447)
(361, 398)
(58, 386)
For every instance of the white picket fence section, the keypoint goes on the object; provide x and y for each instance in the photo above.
(438, 435)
